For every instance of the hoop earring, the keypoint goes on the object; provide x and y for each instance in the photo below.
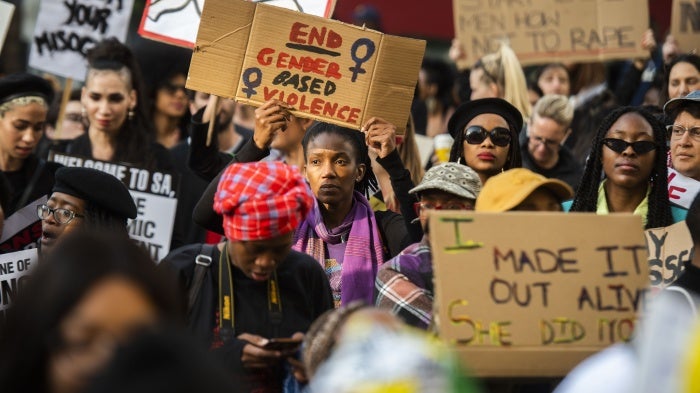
(130, 115)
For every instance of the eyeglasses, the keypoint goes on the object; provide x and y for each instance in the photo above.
(548, 143)
(619, 145)
(500, 136)
(423, 206)
(62, 216)
(677, 131)
(172, 88)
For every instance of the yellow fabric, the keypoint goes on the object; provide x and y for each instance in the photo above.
(377, 204)
(602, 206)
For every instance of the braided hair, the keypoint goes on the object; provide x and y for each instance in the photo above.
(99, 219)
(368, 185)
(586, 198)
(514, 159)
(320, 339)
(135, 135)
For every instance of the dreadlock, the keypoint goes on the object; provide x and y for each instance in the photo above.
(513, 161)
(99, 219)
(586, 199)
(368, 185)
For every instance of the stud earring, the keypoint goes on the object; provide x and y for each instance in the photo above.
(131, 114)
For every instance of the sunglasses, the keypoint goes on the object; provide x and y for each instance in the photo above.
(172, 88)
(619, 145)
(500, 136)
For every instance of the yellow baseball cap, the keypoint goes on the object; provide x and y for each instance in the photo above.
(508, 189)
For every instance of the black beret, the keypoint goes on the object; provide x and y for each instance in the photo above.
(469, 110)
(23, 84)
(96, 187)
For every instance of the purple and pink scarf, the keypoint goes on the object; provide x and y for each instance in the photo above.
(363, 252)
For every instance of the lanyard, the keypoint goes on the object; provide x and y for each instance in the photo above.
(226, 299)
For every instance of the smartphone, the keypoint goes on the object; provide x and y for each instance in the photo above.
(282, 344)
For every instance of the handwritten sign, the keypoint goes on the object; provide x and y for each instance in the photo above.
(543, 31)
(685, 24)
(681, 189)
(6, 11)
(67, 29)
(14, 269)
(518, 300)
(155, 196)
(670, 249)
(22, 230)
(177, 23)
(327, 70)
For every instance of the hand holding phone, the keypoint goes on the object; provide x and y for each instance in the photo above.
(284, 344)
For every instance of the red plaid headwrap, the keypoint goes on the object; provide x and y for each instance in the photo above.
(261, 200)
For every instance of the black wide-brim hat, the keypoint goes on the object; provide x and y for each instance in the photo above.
(469, 110)
(23, 85)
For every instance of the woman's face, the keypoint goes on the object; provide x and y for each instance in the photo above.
(683, 79)
(332, 169)
(685, 151)
(20, 130)
(629, 169)
(107, 98)
(486, 158)
(107, 315)
(481, 89)
(554, 80)
(171, 99)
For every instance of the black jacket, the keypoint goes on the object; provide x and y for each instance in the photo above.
(304, 292)
(567, 168)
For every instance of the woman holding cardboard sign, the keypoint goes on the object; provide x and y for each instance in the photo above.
(113, 101)
(630, 150)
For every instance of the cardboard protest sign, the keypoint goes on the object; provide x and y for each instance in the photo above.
(669, 248)
(177, 23)
(543, 31)
(14, 268)
(327, 70)
(681, 189)
(155, 195)
(533, 294)
(22, 230)
(685, 24)
(66, 30)
(6, 11)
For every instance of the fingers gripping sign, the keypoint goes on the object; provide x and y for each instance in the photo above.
(380, 136)
(270, 117)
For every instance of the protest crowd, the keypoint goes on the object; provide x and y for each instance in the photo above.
(412, 223)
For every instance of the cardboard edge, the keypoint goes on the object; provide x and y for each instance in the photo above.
(209, 55)
(394, 79)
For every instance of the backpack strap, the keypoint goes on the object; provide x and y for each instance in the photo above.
(201, 264)
(24, 199)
